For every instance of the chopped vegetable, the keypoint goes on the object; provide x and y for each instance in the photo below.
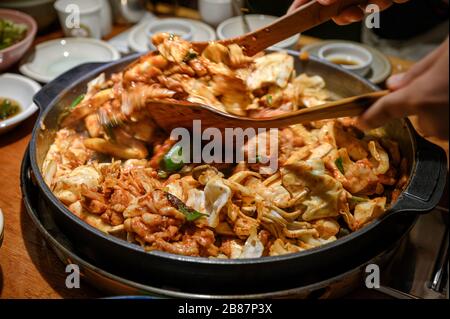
(8, 108)
(340, 164)
(163, 174)
(173, 160)
(343, 232)
(77, 101)
(269, 100)
(357, 200)
(190, 56)
(258, 159)
(11, 33)
(191, 214)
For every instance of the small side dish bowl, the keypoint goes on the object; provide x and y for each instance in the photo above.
(234, 27)
(52, 58)
(21, 90)
(13, 53)
(41, 11)
(352, 57)
(180, 28)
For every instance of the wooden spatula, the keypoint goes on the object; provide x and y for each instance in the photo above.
(303, 18)
(173, 114)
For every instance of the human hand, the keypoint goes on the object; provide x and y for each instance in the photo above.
(351, 14)
(422, 91)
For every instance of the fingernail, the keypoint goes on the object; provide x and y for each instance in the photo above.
(395, 81)
(326, 2)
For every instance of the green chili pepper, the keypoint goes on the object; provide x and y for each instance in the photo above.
(190, 214)
(173, 160)
(340, 164)
(77, 101)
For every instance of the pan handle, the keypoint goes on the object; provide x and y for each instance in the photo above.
(51, 90)
(428, 179)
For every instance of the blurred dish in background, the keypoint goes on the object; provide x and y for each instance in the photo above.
(41, 10)
(380, 68)
(55, 57)
(90, 22)
(234, 27)
(352, 57)
(16, 91)
(214, 12)
(106, 18)
(15, 45)
(127, 11)
(181, 28)
(138, 39)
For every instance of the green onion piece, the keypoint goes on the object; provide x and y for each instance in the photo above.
(190, 214)
(7, 109)
(340, 164)
(269, 99)
(162, 174)
(190, 56)
(357, 200)
(77, 101)
(173, 160)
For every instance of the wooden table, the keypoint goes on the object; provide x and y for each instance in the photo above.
(28, 268)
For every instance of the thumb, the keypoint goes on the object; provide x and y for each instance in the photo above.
(401, 80)
(397, 81)
(393, 105)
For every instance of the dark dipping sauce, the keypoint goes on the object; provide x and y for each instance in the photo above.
(8, 108)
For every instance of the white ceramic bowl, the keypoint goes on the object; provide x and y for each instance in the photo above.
(181, 28)
(52, 58)
(41, 10)
(359, 59)
(89, 15)
(21, 90)
(233, 27)
(214, 12)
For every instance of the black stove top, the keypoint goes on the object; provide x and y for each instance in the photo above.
(419, 269)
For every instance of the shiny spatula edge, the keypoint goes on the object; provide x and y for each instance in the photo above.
(182, 114)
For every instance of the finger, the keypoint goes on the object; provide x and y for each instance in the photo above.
(296, 4)
(349, 15)
(382, 4)
(394, 105)
(327, 2)
(398, 81)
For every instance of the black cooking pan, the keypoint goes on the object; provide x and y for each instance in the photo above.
(427, 179)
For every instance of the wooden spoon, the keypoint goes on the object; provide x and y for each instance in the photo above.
(174, 114)
(303, 18)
